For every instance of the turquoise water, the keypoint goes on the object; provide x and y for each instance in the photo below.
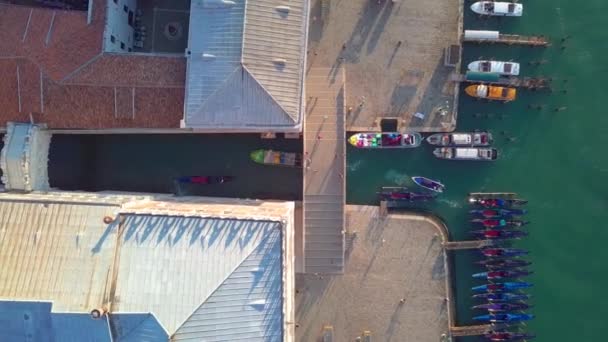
(554, 159)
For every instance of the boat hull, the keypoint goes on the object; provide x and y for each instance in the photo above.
(386, 140)
(499, 234)
(494, 93)
(501, 274)
(405, 196)
(501, 296)
(503, 318)
(502, 264)
(501, 287)
(466, 154)
(494, 213)
(503, 252)
(276, 158)
(204, 179)
(500, 336)
(498, 9)
(501, 307)
(498, 67)
(496, 202)
(429, 184)
(475, 139)
(498, 223)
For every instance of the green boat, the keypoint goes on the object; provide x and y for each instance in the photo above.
(270, 157)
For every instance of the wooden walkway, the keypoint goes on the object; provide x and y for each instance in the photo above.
(470, 330)
(474, 244)
(324, 172)
(513, 39)
(518, 82)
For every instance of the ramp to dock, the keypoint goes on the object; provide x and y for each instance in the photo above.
(470, 330)
(324, 172)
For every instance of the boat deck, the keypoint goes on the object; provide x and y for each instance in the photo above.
(513, 39)
(324, 172)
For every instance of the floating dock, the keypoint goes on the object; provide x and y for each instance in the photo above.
(470, 330)
(473, 244)
(517, 82)
(509, 195)
(495, 37)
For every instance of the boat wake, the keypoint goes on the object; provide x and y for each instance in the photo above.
(354, 166)
(396, 177)
(450, 203)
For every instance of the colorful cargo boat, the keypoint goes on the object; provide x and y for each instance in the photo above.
(460, 139)
(385, 140)
(278, 158)
(462, 153)
(497, 93)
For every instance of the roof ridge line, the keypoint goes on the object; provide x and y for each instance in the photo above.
(269, 94)
(220, 87)
(268, 235)
(134, 328)
(82, 66)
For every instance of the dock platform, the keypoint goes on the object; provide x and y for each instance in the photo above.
(470, 330)
(512, 39)
(324, 172)
(473, 244)
(517, 82)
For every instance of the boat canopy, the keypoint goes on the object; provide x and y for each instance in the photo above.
(461, 138)
(482, 90)
(466, 153)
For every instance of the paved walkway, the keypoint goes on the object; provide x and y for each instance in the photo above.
(394, 283)
(324, 190)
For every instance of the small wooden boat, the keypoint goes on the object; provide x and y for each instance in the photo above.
(204, 179)
(278, 158)
(429, 184)
(497, 8)
(502, 68)
(385, 140)
(460, 139)
(483, 91)
(402, 194)
(461, 153)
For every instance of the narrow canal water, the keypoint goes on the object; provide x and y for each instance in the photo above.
(151, 163)
(555, 159)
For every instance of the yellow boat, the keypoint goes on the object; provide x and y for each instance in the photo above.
(483, 91)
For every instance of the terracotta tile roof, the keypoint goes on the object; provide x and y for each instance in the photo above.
(53, 66)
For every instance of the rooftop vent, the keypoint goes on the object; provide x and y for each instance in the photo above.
(258, 304)
(208, 57)
(282, 9)
(98, 313)
(279, 61)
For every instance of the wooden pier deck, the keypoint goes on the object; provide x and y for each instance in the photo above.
(517, 82)
(513, 39)
(473, 244)
(324, 172)
(470, 330)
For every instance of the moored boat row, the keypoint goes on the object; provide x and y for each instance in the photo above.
(504, 267)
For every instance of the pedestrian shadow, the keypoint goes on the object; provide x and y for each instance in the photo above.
(435, 103)
(379, 25)
(362, 30)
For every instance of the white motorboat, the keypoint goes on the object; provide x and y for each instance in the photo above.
(461, 153)
(500, 9)
(474, 139)
(503, 68)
